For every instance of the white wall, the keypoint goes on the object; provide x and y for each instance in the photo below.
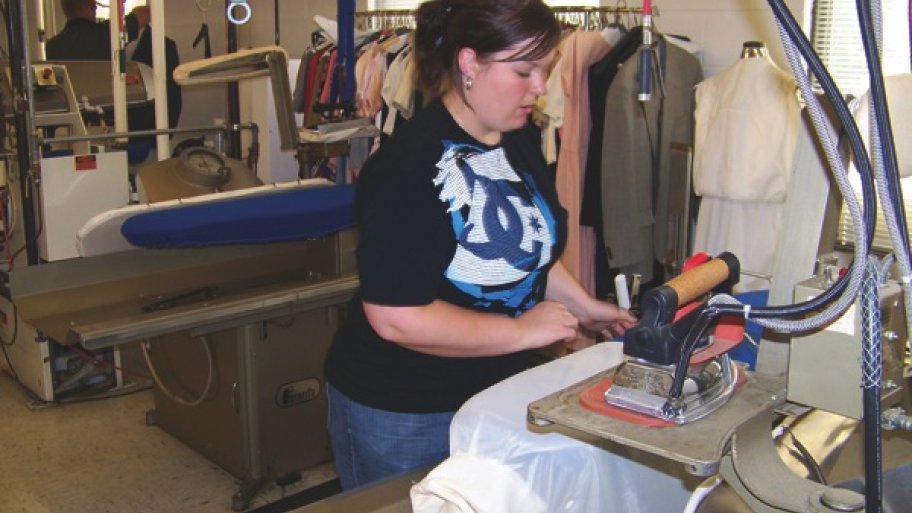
(720, 27)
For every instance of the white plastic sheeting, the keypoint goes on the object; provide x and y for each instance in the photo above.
(498, 466)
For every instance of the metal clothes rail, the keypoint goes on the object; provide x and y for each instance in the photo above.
(577, 15)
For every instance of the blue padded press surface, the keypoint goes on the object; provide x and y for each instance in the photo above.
(281, 216)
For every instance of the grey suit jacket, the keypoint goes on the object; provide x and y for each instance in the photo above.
(634, 202)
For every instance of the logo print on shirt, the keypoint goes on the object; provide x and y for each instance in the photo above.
(504, 235)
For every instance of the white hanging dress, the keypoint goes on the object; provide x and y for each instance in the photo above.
(747, 125)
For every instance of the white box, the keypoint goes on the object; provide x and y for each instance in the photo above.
(74, 189)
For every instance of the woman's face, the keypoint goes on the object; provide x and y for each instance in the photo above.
(503, 91)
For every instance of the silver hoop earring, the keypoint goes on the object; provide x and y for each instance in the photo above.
(468, 83)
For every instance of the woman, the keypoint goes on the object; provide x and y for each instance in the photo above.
(460, 232)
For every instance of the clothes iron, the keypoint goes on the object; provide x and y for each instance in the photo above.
(675, 369)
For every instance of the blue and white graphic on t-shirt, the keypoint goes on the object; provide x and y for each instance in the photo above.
(504, 231)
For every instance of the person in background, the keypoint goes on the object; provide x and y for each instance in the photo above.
(460, 233)
(82, 38)
(139, 49)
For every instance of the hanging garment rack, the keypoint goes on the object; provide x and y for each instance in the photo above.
(385, 19)
(594, 18)
(584, 16)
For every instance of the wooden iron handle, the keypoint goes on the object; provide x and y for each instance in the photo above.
(692, 284)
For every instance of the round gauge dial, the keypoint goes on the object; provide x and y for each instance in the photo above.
(204, 167)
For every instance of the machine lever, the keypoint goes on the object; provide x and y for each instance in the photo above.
(180, 299)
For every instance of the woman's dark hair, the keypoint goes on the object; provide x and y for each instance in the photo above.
(486, 26)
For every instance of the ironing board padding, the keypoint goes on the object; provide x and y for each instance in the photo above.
(281, 215)
(104, 233)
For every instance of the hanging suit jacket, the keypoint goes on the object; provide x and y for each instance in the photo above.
(634, 187)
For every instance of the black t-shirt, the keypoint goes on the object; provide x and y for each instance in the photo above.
(443, 216)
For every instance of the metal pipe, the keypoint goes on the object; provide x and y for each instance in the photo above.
(26, 145)
(234, 102)
(166, 131)
(29, 83)
(277, 39)
(139, 133)
(40, 25)
(345, 11)
(160, 72)
(118, 64)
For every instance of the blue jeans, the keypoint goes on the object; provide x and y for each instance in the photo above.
(370, 444)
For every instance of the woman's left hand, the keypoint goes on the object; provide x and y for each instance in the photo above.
(608, 319)
(597, 316)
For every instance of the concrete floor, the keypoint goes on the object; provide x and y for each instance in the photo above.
(100, 457)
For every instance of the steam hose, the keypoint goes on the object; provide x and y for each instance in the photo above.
(883, 154)
(864, 272)
(871, 377)
(843, 293)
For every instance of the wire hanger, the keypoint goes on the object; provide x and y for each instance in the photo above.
(203, 35)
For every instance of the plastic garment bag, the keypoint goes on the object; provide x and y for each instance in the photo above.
(498, 465)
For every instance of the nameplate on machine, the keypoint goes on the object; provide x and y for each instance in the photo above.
(297, 392)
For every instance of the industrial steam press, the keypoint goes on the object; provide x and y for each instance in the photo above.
(231, 288)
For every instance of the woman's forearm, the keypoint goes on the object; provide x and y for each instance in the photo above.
(444, 329)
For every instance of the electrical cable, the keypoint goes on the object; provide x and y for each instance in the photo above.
(102, 396)
(15, 321)
(9, 363)
(39, 218)
(652, 144)
(6, 226)
(161, 385)
(104, 363)
(34, 398)
(806, 458)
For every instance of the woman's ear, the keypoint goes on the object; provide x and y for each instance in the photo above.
(467, 59)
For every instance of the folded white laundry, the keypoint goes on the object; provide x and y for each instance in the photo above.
(467, 483)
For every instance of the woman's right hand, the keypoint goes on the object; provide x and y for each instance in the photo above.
(546, 323)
